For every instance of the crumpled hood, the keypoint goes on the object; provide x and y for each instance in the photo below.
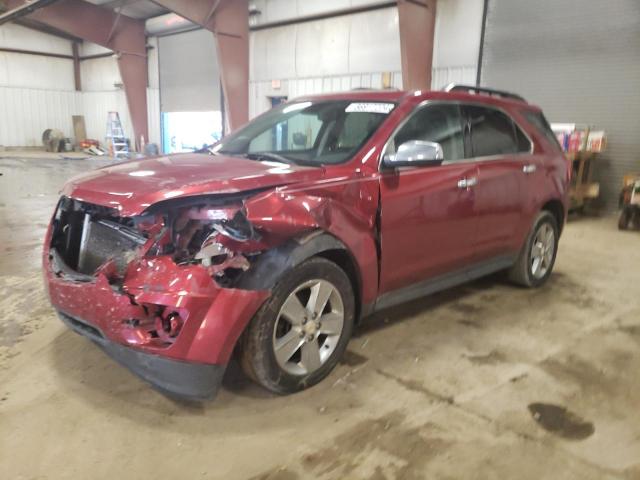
(133, 186)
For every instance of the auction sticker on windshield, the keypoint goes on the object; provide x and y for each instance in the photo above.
(370, 107)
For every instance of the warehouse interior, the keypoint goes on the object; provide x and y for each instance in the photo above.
(482, 380)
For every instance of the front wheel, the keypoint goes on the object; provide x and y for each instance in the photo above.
(538, 255)
(299, 334)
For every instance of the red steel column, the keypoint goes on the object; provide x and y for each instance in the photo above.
(124, 35)
(233, 52)
(417, 20)
(229, 22)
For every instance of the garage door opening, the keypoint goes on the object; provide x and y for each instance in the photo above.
(189, 131)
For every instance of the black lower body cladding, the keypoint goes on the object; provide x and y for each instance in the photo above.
(186, 380)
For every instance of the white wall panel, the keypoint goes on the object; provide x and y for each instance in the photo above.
(322, 48)
(278, 10)
(443, 76)
(364, 42)
(96, 107)
(26, 113)
(374, 44)
(272, 53)
(15, 36)
(31, 71)
(100, 74)
(457, 34)
(260, 91)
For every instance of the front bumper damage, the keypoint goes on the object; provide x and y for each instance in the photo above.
(198, 381)
(173, 324)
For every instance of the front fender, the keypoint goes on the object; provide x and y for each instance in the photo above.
(273, 264)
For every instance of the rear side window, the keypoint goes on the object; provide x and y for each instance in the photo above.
(494, 133)
(538, 120)
(440, 123)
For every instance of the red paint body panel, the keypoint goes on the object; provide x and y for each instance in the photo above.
(428, 223)
(131, 187)
(399, 227)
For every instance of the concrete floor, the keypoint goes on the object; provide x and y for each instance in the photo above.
(465, 384)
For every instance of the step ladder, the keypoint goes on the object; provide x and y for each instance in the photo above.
(115, 139)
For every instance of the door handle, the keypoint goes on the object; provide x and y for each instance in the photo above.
(467, 182)
(529, 168)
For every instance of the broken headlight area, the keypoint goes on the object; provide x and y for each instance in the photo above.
(85, 237)
(90, 239)
(212, 237)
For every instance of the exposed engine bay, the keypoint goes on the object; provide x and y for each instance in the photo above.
(90, 239)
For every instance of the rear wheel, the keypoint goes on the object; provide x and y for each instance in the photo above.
(538, 255)
(298, 336)
(625, 216)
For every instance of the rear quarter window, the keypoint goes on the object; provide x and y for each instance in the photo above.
(539, 122)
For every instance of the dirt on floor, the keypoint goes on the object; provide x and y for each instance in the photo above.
(482, 381)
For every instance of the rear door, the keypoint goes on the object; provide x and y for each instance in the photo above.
(504, 157)
(427, 215)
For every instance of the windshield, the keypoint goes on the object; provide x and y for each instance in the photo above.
(307, 133)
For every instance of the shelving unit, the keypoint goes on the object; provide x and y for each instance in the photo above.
(582, 188)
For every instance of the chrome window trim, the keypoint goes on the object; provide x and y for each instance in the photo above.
(484, 158)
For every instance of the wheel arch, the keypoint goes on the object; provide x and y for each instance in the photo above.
(343, 259)
(556, 208)
(273, 264)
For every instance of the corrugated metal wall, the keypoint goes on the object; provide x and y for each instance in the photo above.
(580, 61)
(31, 103)
(27, 112)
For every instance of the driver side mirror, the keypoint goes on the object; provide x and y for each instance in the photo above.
(415, 153)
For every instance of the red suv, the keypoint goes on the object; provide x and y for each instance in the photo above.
(276, 241)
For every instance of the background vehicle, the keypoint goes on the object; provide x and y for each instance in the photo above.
(314, 215)
(630, 204)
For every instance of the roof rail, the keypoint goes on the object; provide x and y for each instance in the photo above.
(454, 87)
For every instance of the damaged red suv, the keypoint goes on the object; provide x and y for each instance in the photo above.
(276, 241)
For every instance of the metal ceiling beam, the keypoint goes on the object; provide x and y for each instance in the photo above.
(229, 22)
(417, 22)
(120, 33)
(24, 9)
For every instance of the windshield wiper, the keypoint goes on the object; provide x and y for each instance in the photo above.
(269, 156)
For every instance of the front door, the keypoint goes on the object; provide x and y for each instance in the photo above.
(427, 219)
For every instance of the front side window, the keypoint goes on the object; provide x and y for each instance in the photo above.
(308, 133)
(494, 133)
(440, 123)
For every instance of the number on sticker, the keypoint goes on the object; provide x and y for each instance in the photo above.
(370, 107)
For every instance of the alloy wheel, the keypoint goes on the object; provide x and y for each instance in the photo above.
(308, 327)
(542, 250)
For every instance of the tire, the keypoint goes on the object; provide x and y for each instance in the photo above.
(277, 328)
(625, 216)
(528, 271)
